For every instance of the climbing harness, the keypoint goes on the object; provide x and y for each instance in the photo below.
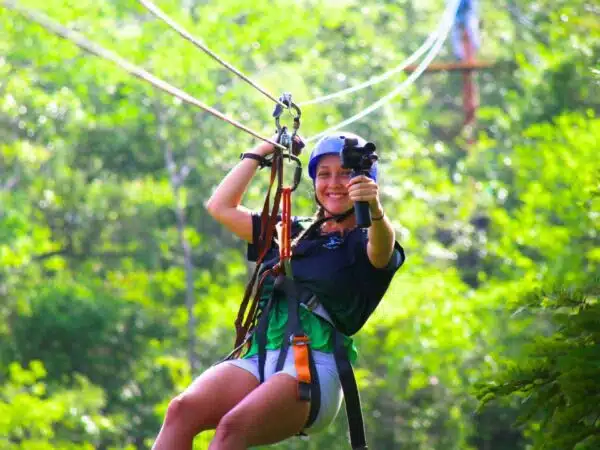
(245, 320)
(308, 382)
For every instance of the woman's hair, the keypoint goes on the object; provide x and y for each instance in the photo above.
(317, 219)
(319, 214)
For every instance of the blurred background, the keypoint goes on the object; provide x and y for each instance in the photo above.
(116, 287)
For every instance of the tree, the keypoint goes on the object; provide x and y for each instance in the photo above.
(556, 379)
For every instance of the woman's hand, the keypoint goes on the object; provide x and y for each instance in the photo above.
(266, 148)
(363, 189)
(380, 245)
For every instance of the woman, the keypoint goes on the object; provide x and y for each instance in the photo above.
(347, 268)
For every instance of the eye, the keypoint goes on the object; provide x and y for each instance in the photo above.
(322, 174)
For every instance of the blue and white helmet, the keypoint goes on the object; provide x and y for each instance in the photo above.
(333, 145)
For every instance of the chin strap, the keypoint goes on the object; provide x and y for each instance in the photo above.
(337, 217)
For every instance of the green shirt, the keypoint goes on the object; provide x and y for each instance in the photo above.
(318, 330)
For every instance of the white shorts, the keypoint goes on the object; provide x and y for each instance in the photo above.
(331, 389)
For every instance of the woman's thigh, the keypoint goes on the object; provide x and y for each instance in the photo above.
(272, 412)
(214, 393)
(330, 387)
(268, 414)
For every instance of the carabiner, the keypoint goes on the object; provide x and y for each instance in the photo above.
(296, 117)
(297, 169)
(284, 139)
(286, 99)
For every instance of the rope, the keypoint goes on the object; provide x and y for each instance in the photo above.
(406, 83)
(399, 68)
(179, 29)
(97, 50)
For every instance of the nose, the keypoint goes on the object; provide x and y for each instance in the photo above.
(339, 178)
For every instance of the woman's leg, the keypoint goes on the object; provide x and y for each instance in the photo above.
(202, 405)
(269, 414)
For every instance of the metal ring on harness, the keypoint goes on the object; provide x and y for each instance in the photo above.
(297, 170)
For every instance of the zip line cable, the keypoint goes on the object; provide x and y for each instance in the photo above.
(384, 76)
(377, 79)
(97, 50)
(438, 35)
(406, 83)
(179, 29)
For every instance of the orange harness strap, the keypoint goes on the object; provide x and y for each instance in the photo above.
(285, 250)
(300, 343)
(301, 360)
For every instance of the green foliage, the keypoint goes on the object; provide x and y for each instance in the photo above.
(92, 280)
(557, 378)
(33, 418)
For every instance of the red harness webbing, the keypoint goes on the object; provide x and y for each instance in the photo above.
(300, 343)
(285, 246)
(244, 322)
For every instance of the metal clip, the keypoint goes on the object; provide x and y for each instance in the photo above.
(312, 303)
(293, 146)
(299, 340)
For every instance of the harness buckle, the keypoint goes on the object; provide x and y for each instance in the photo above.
(299, 340)
(304, 391)
(312, 303)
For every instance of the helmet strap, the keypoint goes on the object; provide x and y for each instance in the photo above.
(318, 222)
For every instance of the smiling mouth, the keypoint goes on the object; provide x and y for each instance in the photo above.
(337, 196)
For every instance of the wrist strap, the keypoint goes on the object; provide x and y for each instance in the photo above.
(262, 161)
(378, 218)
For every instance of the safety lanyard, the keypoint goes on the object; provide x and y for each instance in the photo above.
(246, 317)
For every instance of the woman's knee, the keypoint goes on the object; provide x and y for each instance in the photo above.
(232, 427)
(176, 410)
(185, 412)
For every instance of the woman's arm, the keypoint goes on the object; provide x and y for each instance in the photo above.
(224, 205)
(381, 238)
(381, 233)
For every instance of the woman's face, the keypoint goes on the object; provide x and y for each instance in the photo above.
(330, 185)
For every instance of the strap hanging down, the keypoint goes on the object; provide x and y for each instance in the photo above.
(245, 322)
(351, 396)
(299, 296)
